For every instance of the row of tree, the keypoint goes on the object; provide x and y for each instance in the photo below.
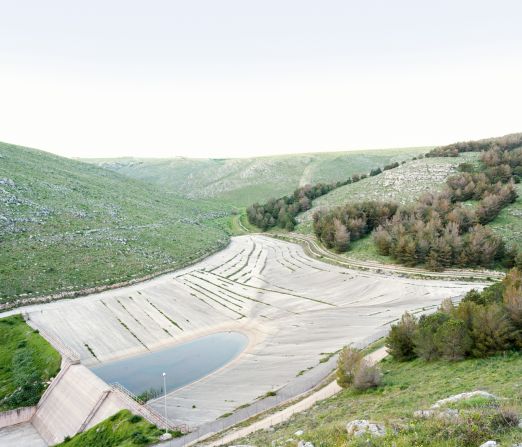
(283, 211)
(437, 230)
(483, 324)
(440, 232)
(336, 228)
(507, 142)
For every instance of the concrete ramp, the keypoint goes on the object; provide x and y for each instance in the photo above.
(74, 399)
(77, 400)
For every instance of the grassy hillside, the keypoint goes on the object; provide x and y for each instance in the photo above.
(66, 225)
(403, 184)
(27, 362)
(508, 223)
(243, 181)
(408, 387)
(123, 429)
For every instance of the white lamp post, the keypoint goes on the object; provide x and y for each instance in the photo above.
(165, 393)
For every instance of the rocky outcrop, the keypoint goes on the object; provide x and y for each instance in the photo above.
(437, 410)
(447, 414)
(463, 396)
(489, 444)
(361, 427)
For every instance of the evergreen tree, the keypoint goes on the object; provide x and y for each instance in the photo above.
(400, 339)
(491, 331)
(452, 339)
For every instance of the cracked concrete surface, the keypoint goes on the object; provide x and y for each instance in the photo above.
(293, 308)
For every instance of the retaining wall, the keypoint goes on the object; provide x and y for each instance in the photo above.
(17, 416)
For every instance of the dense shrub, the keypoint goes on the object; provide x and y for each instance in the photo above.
(149, 394)
(281, 212)
(426, 346)
(366, 376)
(483, 324)
(489, 295)
(512, 297)
(347, 363)
(391, 166)
(437, 230)
(26, 378)
(452, 339)
(491, 331)
(509, 142)
(337, 227)
(400, 339)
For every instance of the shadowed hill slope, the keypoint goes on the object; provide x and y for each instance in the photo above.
(67, 225)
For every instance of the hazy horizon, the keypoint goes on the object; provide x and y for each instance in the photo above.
(287, 154)
(236, 79)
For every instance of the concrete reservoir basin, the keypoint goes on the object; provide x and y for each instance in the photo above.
(183, 364)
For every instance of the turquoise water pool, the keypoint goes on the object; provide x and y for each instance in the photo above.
(183, 363)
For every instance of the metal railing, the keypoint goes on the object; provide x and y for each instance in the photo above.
(139, 406)
(65, 351)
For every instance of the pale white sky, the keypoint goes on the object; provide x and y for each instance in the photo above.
(208, 78)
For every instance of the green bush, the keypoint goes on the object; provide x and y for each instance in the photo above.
(426, 346)
(366, 376)
(452, 339)
(347, 364)
(482, 325)
(400, 342)
(139, 438)
(491, 331)
(135, 419)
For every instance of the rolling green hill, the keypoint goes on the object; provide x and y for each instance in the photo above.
(67, 225)
(242, 181)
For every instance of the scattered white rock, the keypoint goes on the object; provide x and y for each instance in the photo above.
(489, 444)
(447, 413)
(361, 427)
(305, 444)
(423, 414)
(463, 396)
(7, 182)
(299, 433)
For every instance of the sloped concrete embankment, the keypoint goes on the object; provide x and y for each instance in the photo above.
(78, 400)
(17, 416)
(75, 401)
